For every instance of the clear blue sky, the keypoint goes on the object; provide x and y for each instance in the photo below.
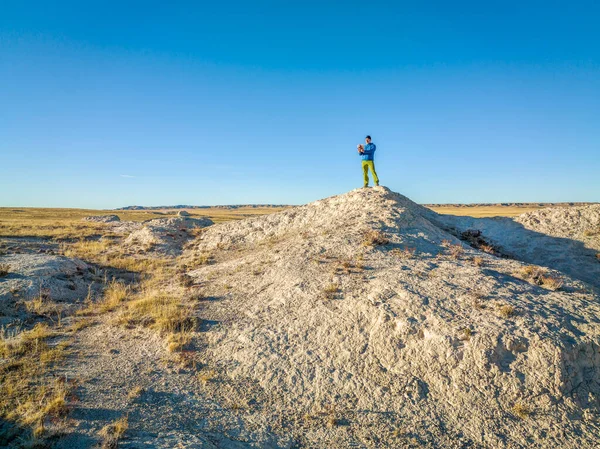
(106, 104)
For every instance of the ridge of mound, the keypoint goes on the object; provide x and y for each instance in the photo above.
(366, 308)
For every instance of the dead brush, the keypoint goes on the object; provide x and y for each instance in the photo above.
(113, 432)
(373, 237)
(161, 311)
(347, 266)
(477, 261)
(178, 341)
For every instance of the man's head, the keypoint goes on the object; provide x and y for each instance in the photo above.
(368, 139)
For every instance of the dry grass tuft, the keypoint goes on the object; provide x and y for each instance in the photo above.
(115, 293)
(207, 376)
(373, 237)
(404, 253)
(135, 393)
(113, 432)
(591, 232)
(28, 393)
(506, 311)
(331, 291)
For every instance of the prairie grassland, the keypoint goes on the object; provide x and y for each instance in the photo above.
(63, 224)
(484, 211)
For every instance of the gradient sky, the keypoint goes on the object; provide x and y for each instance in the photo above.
(106, 104)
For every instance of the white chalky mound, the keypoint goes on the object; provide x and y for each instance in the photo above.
(387, 355)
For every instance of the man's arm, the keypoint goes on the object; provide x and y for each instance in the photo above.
(370, 149)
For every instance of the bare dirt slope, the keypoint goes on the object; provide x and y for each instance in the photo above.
(332, 324)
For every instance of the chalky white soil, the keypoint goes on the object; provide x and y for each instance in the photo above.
(310, 337)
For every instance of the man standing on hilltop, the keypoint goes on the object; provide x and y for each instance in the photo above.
(367, 153)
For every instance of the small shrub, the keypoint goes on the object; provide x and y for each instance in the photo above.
(375, 238)
(404, 253)
(521, 410)
(591, 232)
(4, 269)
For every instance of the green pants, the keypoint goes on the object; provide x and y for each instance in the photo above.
(366, 165)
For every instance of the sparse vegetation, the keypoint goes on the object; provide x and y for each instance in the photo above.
(347, 267)
(28, 395)
(591, 232)
(539, 276)
(115, 293)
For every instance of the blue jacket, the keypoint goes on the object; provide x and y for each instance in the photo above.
(369, 152)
